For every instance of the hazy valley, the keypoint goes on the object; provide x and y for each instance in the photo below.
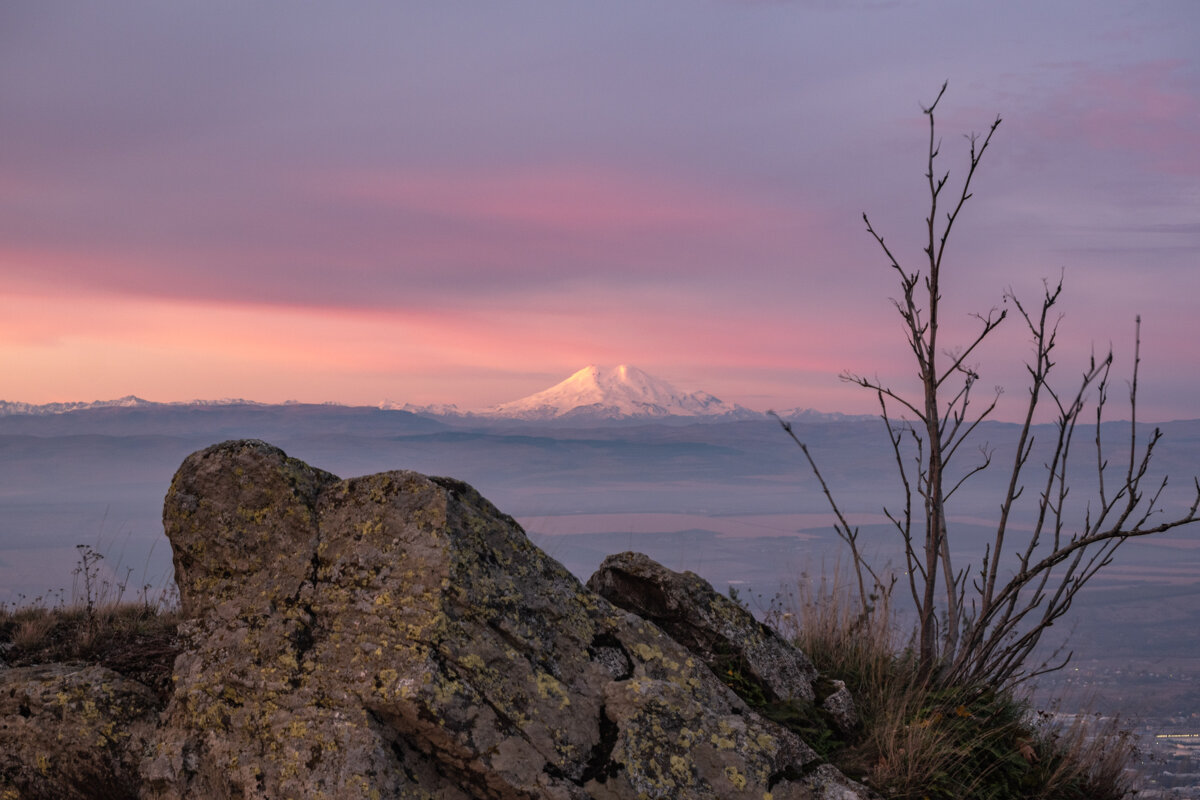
(727, 498)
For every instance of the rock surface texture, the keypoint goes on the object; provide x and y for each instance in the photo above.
(395, 636)
(709, 624)
(725, 636)
(67, 729)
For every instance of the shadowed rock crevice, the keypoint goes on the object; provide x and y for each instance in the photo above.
(608, 651)
(600, 765)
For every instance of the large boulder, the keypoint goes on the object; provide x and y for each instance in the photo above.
(396, 635)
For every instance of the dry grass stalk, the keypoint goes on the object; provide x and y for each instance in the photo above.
(923, 740)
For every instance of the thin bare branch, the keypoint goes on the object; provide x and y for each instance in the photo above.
(848, 534)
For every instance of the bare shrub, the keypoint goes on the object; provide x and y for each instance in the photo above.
(978, 625)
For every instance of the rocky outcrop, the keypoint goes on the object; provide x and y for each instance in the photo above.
(713, 626)
(751, 657)
(397, 636)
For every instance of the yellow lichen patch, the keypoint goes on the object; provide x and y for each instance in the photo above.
(548, 685)
(737, 779)
(254, 516)
(646, 652)
(385, 678)
(766, 742)
(686, 738)
(108, 733)
(371, 527)
(722, 742)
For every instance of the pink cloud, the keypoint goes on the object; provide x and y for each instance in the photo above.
(573, 198)
(408, 240)
(72, 344)
(1149, 112)
(562, 220)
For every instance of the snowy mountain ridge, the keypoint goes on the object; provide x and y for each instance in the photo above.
(592, 394)
(615, 393)
(8, 407)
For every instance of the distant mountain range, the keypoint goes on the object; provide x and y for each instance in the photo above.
(8, 408)
(593, 394)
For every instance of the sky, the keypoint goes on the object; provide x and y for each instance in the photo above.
(465, 202)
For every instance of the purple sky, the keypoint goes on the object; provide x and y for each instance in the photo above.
(466, 202)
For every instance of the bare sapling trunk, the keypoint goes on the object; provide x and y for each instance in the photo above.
(980, 625)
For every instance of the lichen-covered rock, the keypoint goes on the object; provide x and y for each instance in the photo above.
(769, 673)
(709, 624)
(397, 636)
(72, 732)
(392, 636)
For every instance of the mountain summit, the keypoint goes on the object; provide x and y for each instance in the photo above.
(614, 393)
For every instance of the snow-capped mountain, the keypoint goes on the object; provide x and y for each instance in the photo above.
(613, 393)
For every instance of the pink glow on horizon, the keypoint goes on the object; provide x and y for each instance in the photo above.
(111, 346)
(277, 353)
(429, 206)
(108, 346)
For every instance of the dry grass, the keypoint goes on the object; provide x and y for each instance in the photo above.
(1096, 754)
(32, 629)
(924, 741)
(136, 639)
